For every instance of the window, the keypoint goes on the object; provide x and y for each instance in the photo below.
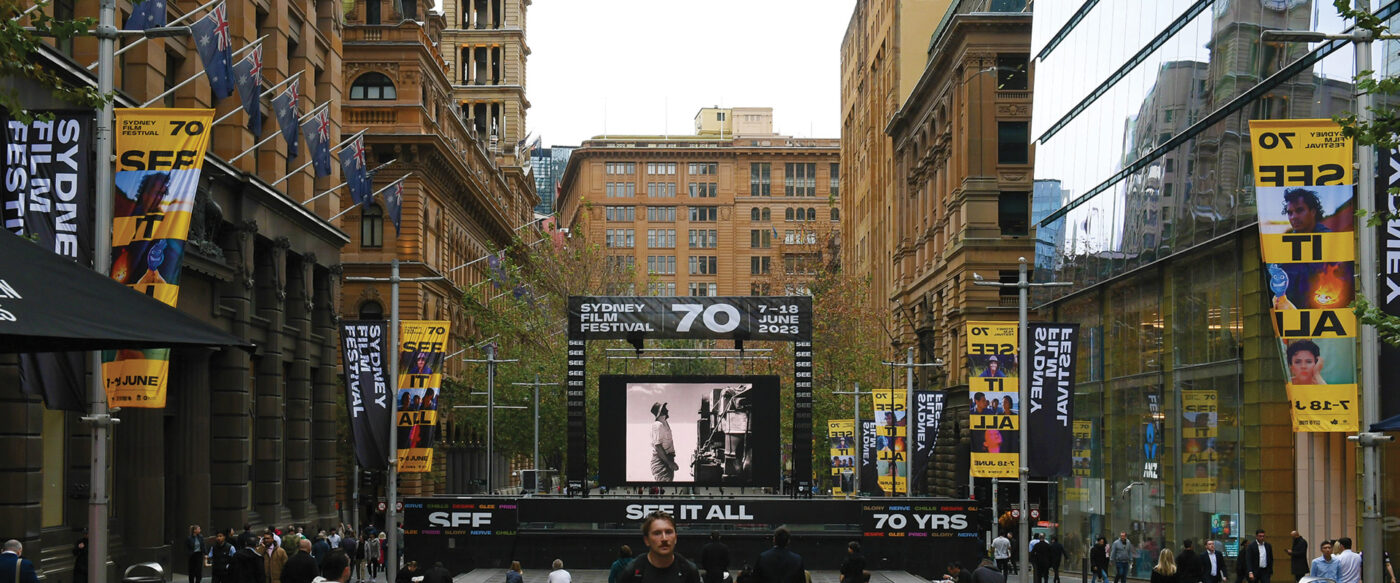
(667, 168)
(704, 265)
(703, 189)
(800, 179)
(760, 265)
(661, 189)
(835, 214)
(373, 86)
(1169, 165)
(760, 289)
(621, 261)
(834, 182)
(1013, 213)
(761, 238)
(621, 190)
(760, 179)
(372, 310)
(661, 288)
(620, 238)
(621, 213)
(621, 167)
(704, 238)
(700, 288)
(1167, 189)
(706, 214)
(811, 213)
(371, 226)
(787, 214)
(661, 238)
(753, 214)
(661, 264)
(1011, 73)
(372, 13)
(661, 214)
(1013, 142)
(767, 214)
(703, 168)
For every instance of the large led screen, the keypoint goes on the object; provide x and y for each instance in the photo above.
(691, 430)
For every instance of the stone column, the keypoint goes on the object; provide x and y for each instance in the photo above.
(21, 457)
(138, 487)
(324, 412)
(298, 391)
(189, 483)
(269, 404)
(230, 384)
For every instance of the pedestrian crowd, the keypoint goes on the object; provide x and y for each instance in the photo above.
(291, 555)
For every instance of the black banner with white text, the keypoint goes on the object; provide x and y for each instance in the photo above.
(1051, 394)
(1388, 177)
(928, 414)
(365, 353)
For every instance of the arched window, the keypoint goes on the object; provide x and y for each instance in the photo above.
(811, 213)
(787, 214)
(371, 310)
(753, 214)
(767, 214)
(836, 214)
(373, 86)
(371, 226)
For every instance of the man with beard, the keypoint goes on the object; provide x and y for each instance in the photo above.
(661, 563)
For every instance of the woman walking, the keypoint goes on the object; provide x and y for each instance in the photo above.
(1165, 571)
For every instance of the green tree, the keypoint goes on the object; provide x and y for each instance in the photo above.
(21, 34)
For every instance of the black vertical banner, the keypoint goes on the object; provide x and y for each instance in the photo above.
(869, 477)
(1388, 177)
(47, 194)
(802, 415)
(1051, 387)
(577, 417)
(365, 351)
(928, 414)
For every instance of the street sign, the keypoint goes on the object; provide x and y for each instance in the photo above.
(1016, 513)
(398, 506)
(383, 506)
(1035, 514)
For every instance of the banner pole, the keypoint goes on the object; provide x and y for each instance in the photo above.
(1023, 287)
(909, 422)
(142, 39)
(102, 262)
(391, 505)
(200, 74)
(260, 95)
(274, 135)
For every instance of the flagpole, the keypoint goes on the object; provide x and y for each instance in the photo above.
(171, 23)
(201, 73)
(274, 135)
(371, 196)
(270, 90)
(303, 166)
(337, 187)
(26, 12)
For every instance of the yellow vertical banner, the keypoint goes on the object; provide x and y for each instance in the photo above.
(842, 437)
(993, 386)
(422, 350)
(160, 153)
(1199, 428)
(891, 441)
(1306, 197)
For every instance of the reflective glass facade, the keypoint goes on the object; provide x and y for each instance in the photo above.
(1144, 199)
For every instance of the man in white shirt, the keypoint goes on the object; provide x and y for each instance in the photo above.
(1001, 551)
(559, 575)
(1350, 562)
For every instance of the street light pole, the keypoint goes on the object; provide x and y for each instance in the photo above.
(855, 414)
(100, 417)
(537, 384)
(491, 362)
(909, 365)
(1023, 286)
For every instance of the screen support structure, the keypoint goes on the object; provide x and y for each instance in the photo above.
(640, 318)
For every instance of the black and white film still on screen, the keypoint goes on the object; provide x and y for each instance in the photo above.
(696, 431)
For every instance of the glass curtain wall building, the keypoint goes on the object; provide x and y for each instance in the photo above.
(1144, 199)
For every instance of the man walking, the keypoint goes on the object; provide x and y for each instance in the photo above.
(1298, 556)
(1057, 554)
(274, 559)
(988, 573)
(778, 564)
(1212, 564)
(1350, 562)
(661, 563)
(714, 559)
(13, 567)
(1121, 553)
(301, 568)
(1001, 551)
(1188, 565)
(1326, 566)
(1098, 560)
(1259, 558)
(1040, 559)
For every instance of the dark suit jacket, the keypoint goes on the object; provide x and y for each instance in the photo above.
(301, 568)
(714, 559)
(1188, 566)
(7, 569)
(779, 565)
(1221, 573)
(1298, 556)
(1252, 559)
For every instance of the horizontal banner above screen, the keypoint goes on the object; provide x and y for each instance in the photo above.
(786, 319)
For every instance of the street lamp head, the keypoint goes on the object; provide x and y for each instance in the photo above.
(1294, 36)
(976, 276)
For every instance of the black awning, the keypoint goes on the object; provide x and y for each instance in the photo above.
(49, 303)
(1390, 424)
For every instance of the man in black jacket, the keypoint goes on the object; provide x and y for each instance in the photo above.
(778, 564)
(714, 559)
(301, 568)
(988, 573)
(853, 570)
(661, 563)
(437, 574)
(1057, 553)
(1188, 565)
(1212, 565)
(1040, 559)
(1098, 560)
(1298, 556)
(1259, 558)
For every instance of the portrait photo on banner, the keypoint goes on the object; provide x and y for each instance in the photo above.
(995, 441)
(992, 365)
(1306, 209)
(1307, 361)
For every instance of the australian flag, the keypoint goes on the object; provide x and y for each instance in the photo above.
(285, 107)
(248, 75)
(352, 167)
(393, 199)
(215, 49)
(317, 132)
(144, 15)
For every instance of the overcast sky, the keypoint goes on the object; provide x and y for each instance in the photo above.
(652, 64)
